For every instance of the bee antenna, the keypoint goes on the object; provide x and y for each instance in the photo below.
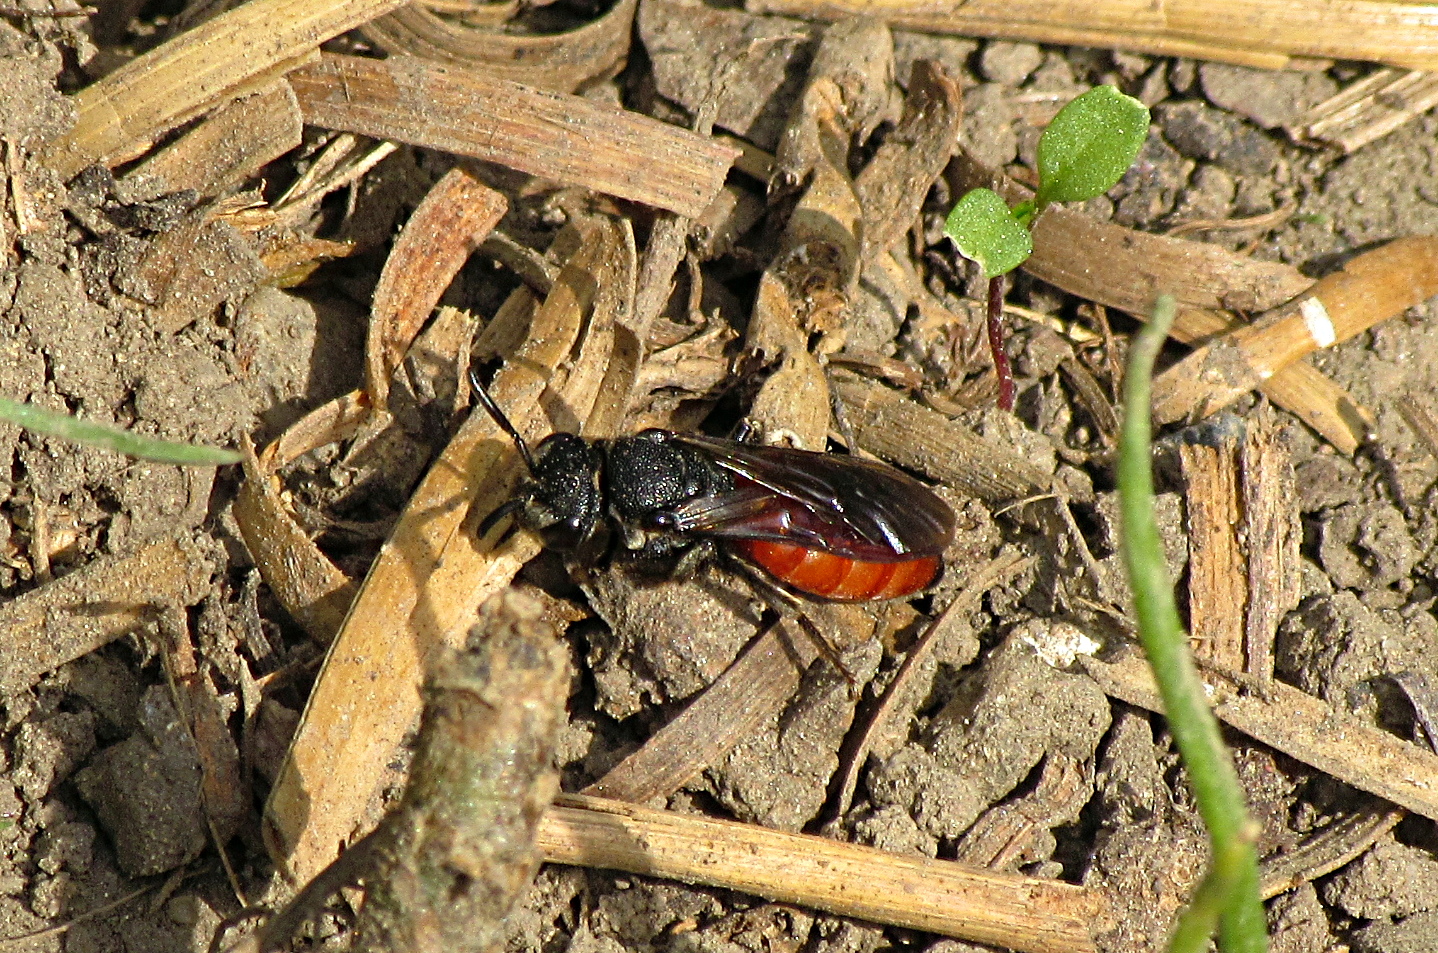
(487, 402)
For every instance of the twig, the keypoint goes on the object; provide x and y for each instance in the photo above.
(938, 896)
(1373, 287)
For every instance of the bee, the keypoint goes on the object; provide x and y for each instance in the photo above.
(823, 525)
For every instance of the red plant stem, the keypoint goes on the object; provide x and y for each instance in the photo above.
(996, 343)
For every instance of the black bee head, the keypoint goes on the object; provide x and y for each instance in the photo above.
(562, 502)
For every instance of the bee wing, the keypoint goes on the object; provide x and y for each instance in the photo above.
(837, 503)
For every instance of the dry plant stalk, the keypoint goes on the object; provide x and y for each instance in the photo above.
(310, 587)
(760, 681)
(236, 52)
(227, 148)
(1298, 725)
(895, 428)
(552, 135)
(1003, 834)
(1244, 534)
(919, 893)
(1420, 412)
(1371, 288)
(1272, 533)
(1217, 571)
(108, 597)
(1369, 109)
(1260, 33)
(1333, 847)
(455, 216)
(563, 62)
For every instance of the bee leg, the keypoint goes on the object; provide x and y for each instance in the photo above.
(691, 559)
(840, 414)
(786, 603)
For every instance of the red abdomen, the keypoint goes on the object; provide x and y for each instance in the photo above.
(827, 576)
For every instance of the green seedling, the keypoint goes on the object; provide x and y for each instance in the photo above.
(57, 424)
(1083, 153)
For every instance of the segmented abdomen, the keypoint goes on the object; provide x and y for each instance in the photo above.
(827, 576)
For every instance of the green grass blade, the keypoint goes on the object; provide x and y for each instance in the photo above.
(56, 424)
(1233, 876)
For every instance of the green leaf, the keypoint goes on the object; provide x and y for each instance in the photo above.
(57, 424)
(985, 231)
(1090, 145)
(1025, 212)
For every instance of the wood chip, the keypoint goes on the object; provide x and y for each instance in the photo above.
(552, 135)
